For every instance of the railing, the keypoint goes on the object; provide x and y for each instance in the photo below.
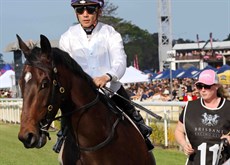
(169, 111)
(10, 111)
(193, 57)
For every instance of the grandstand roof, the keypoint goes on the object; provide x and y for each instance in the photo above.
(14, 46)
(215, 45)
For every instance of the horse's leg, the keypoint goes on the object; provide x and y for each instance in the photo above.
(152, 158)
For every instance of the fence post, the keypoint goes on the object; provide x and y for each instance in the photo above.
(147, 119)
(166, 127)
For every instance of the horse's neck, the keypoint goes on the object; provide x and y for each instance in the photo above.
(77, 89)
(90, 115)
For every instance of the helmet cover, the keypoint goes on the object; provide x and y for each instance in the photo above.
(79, 2)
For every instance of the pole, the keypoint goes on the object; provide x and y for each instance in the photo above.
(165, 127)
(171, 79)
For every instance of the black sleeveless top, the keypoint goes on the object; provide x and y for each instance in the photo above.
(204, 127)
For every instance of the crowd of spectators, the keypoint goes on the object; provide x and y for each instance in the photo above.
(157, 90)
(201, 53)
(160, 90)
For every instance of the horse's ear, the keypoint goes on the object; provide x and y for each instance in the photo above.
(45, 44)
(25, 49)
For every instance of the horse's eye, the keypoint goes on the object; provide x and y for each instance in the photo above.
(44, 84)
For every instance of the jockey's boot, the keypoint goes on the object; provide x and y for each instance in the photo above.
(145, 130)
(134, 115)
(130, 110)
(58, 144)
(61, 137)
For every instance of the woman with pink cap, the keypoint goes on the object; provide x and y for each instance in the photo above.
(204, 122)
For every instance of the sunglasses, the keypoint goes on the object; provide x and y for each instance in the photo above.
(201, 86)
(91, 9)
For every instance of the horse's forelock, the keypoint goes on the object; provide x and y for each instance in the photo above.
(37, 59)
(34, 55)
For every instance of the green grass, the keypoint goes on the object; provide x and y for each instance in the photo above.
(12, 151)
(169, 157)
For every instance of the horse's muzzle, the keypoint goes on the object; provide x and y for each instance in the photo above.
(31, 140)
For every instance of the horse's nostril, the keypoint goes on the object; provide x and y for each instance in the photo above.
(29, 140)
(30, 137)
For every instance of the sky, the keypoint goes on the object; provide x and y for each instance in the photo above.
(30, 18)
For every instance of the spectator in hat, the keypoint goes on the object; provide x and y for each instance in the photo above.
(165, 95)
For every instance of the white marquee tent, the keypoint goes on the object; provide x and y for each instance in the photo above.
(133, 75)
(7, 80)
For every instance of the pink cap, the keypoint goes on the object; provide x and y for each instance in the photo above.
(208, 77)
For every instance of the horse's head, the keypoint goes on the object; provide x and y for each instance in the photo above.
(38, 92)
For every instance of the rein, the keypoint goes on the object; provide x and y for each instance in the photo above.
(105, 142)
(85, 107)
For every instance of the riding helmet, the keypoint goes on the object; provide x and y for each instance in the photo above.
(81, 2)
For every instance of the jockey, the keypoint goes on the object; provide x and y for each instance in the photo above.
(98, 49)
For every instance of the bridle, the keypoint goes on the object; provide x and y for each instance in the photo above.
(50, 116)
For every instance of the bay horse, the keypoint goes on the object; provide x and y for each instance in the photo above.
(97, 134)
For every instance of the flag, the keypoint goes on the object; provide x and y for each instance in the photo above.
(198, 42)
(5, 68)
(135, 62)
(210, 35)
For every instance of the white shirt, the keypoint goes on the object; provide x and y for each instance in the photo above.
(102, 53)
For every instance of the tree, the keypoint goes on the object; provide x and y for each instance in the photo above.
(228, 38)
(109, 9)
(1, 61)
(182, 41)
(136, 41)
